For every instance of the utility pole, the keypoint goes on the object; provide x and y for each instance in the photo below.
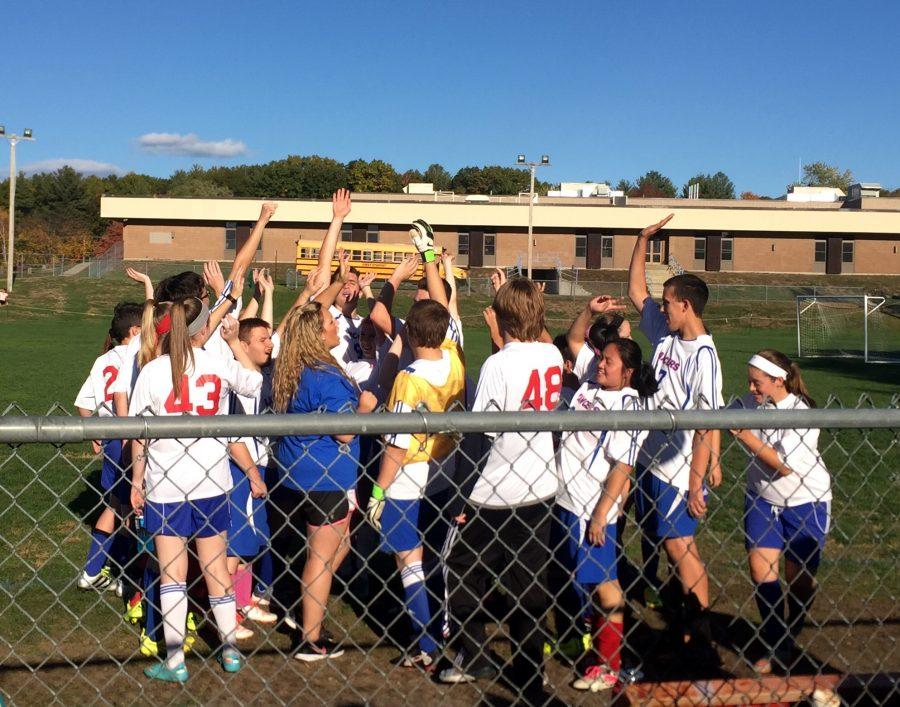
(520, 162)
(10, 248)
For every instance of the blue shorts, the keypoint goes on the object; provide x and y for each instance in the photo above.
(593, 564)
(201, 518)
(243, 540)
(406, 525)
(798, 531)
(662, 508)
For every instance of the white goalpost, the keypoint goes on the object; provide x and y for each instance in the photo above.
(848, 326)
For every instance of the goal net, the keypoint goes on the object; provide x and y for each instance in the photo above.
(848, 326)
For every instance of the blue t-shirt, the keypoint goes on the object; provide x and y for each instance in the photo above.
(320, 462)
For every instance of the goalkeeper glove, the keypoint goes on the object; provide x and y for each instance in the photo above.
(375, 507)
(423, 239)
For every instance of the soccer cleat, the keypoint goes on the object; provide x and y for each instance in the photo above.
(242, 633)
(101, 581)
(160, 671)
(258, 600)
(191, 623)
(260, 615)
(135, 611)
(455, 675)
(422, 660)
(652, 599)
(312, 651)
(596, 679)
(149, 647)
(230, 660)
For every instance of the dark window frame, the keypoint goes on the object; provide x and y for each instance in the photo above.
(729, 242)
(373, 233)
(606, 240)
(844, 250)
(462, 243)
(820, 250)
(700, 248)
(231, 235)
(490, 244)
(580, 246)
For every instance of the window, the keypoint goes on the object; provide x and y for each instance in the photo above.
(346, 233)
(462, 243)
(580, 246)
(821, 252)
(231, 235)
(606, 247)
(378, 256)
(490, 241)
(700, 248)
(367, 256)
(398, 257)
(727, 249)
(372, 234)
(847, 252)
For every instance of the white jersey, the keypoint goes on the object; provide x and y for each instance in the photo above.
(586, 362)
(257, 446)
(690, 378)
(809, 480)
(520, 468)
(183, 469)
(585, 458)
(96, 392)
(129, 373)
(348, 350)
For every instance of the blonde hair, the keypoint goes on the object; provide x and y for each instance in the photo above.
(519, 305)
(154, 313)
(178, 343)
(302, 347)
(794, 382)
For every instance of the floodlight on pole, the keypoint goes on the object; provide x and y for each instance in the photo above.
(521, 162)
(27, 134)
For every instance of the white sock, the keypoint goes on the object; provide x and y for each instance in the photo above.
(174, 605)
(224, 610)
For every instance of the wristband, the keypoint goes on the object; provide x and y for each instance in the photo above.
(230, 298)
(428, 256)
(377, 493)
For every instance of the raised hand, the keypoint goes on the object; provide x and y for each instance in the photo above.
(490, 318)
(405, 269)
(230, 328)
(650, 230)
(498, 279)
(267, 211)
(265, 281)
(340, 203)
(542, 286)
(366, 280)
(213, 277)
(422, 236)
(137, 276)
(605, 303)
(315, 281)
(343, 265)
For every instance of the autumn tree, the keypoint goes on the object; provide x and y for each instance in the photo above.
(820, 174)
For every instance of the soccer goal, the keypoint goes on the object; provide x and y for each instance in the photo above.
(848, 326)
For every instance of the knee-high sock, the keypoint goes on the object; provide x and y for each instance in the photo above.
(225, 612)
(770, 602)
(123, 552)
(608, 641)
(242, 581)
(173, 598)
(152, 606)
(799, 603)
(98, 553)
(413, 578)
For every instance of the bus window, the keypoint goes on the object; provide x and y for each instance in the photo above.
(367, 256)
(378, 256)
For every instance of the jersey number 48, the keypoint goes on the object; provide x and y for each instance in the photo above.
(542, 392)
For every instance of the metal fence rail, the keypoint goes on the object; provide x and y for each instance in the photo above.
(62, 644)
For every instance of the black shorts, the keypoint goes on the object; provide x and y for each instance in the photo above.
(302, 508)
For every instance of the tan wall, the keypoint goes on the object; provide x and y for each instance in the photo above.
(790, 255)
(188, 242)
(876, 257)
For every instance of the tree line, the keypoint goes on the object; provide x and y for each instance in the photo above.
(58, 213)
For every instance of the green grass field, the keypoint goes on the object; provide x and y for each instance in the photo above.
(55, 327)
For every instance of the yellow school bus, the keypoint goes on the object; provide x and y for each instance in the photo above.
(378, 258)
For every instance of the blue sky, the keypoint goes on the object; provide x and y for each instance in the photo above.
(608, 90)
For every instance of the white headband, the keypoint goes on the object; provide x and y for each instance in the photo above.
(197, 325)
(766, 366)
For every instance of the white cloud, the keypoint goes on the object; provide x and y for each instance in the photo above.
(190, 144)
(89, 167)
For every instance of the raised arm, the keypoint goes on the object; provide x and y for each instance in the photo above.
(447, 260)
(267, 285)
(365, 287)
(247, 252)
(143, 279)
(217, 314)
(251, 309)
(597, 305)
(230, 328)
(422, 236)
(316, 281)
(380, 314)
(637, 271)
(340, 207)
(490, 319)
(327, 297)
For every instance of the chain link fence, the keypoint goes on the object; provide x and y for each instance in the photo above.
(511, 580)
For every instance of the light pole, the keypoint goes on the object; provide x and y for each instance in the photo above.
(13, 139)
(520, 162)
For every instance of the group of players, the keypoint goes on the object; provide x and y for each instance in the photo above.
(534, 514)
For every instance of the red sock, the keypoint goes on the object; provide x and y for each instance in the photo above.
(608, 641)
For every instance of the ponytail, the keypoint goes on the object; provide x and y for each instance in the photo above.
(643, 379)
(793, 383)
(178, 342)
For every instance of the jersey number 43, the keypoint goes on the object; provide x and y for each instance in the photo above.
(208, 383)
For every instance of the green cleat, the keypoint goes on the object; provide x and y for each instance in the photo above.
(135, 611)
(230, 660)
(161, 671)
(149, 647)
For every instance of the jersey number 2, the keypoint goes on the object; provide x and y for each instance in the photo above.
(110, 373)
(184, 405)
(536, 396)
